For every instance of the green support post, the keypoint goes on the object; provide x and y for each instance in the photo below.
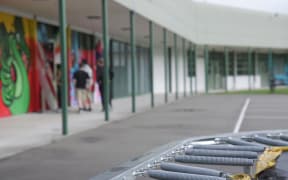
(165, 64)
(286, 62)
(106, 58)
(151, 62)
(190, 60)
(255, 68)
(63, 36)
(270, 70)
(235, 73)
(132, 42)
(249, 68)
(184, 64)
(176, 66)
(270, 63)
(206, 56)
(195, 66)
(226, 52)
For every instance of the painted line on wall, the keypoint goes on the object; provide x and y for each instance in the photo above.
(241, 116)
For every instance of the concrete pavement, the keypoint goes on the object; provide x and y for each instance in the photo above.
(23, 132)
(90, 153)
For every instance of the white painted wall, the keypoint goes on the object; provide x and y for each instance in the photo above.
(200, 74)
(242, 83)
(180, 69)
(159, 71)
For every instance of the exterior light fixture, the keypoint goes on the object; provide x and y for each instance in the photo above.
(147, 37)
(125, 29)
(93, 17)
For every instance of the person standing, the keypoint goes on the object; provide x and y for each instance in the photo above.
(81, 81)
(100, 80)
(59, 86)
(89, 71)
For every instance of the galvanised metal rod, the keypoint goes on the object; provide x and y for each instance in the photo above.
(239, 142)
(268, 141)
(230, 148)
(151, 62)
(167, 175)
(214, 160)
(222, 153)
(284, 137)
(190, 169)
(132, 43)
(106, 58)
(190, 60)
(184, 64)
(176, 66)
(165, 64)
(63, 36)
(226, 52)
(206, 56)
(249, 68)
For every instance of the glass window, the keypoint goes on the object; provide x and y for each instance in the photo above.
(242, 63)
(263, 63)
(115, 53)
(121, 61)
(191, 63)
(217, 62)
(231, 64)
(279, 63)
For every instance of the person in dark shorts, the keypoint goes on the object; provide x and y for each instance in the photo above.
(81, 81)
(100, 81)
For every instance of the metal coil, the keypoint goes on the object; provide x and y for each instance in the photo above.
(268, 141)
(190, 169)
(230, 148)
(284, 137)
(214, 160)
(166, 175)
(239, 142)
(222, 153)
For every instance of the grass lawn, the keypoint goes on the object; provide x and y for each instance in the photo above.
(260, 91)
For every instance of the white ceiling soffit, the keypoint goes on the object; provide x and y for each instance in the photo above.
(266, 6)
(77, 13)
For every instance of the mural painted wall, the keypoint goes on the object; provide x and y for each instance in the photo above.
(47, 48)
(30, 76)
(83, 47)
(18, 66)
(80, 46)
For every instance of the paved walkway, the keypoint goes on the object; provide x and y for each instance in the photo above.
(88, 154)
(22, 132)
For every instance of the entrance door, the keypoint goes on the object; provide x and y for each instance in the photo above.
(263, 70)
(216, 71)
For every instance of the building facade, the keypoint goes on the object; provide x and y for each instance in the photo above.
(197, 48)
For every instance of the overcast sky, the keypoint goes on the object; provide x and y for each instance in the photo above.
(273, 6)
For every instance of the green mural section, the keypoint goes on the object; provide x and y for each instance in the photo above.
(15, 60)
